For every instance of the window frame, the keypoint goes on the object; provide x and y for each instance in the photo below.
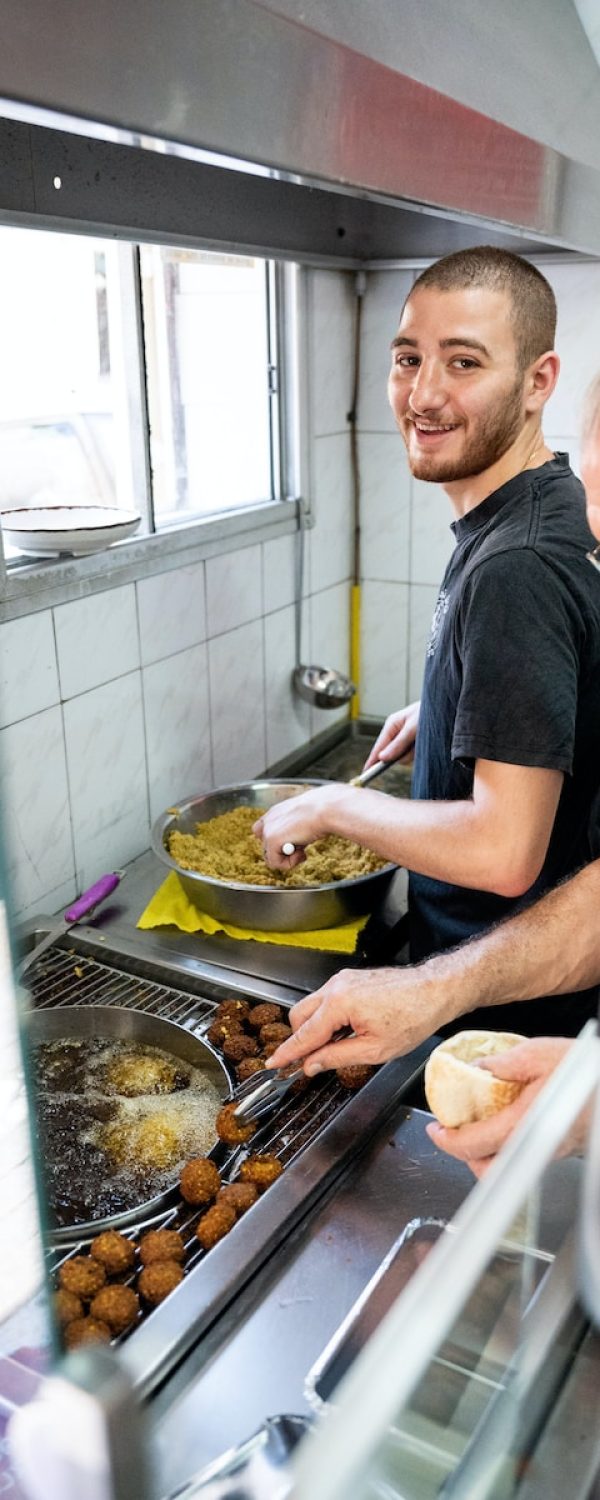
(41, 584)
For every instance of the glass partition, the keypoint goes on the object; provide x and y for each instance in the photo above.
(445, 1389)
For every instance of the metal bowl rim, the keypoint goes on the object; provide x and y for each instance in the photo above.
(184, 804)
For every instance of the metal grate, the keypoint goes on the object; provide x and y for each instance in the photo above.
(65, 977)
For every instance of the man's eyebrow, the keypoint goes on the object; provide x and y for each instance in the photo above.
(464, 343)
(402, 341)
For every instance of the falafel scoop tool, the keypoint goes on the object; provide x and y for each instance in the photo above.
(81, 908)
(362, 780)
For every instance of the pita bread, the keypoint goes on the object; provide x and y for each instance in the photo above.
(458, 1093)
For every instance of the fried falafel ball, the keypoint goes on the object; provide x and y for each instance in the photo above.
(215, 1224)
(156, 1281)
(153, 1141)
(238, 1195)
(161, 1244)
(199, 1180)
(236, 1008)
(221, 1031)
(355, 1075)
(232, 1131)
(116, 1305)
(67, 1307)
(264, 1015)
(248, 1066)
(238, 1045)
(261, 1170)
(272, 1035)
(114, 1251)
(86, 1331)
(83, 1276)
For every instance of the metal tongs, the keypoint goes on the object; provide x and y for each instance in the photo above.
(259, 1094)
(262, 1091)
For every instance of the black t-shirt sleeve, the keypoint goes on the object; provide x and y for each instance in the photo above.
(516, 636)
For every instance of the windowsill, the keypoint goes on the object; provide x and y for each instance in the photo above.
(40, 585)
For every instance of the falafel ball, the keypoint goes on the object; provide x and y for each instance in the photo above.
(83, 1276)
(86, 1331)
(238, 1045)
(156, 1281)
(248, 1066)
(116, 1305)
(114, 1251)
(232, 1131)
(67, 1307)
(261, 1170)
(220, 1031)
(161, 1244)
(199, 1180)
(215, 1224)
(272, 1035)
(355, 1075)
(237, 1008)
(263, 1015)
(238, 1195)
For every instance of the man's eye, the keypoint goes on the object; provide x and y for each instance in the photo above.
(407, 361)
(464, 363)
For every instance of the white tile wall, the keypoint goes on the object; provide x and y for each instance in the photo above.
(287, 716)
(330, 645)
(96, 640)
(233, 589)
(237, 699)
(35, 808)
(385, 507)
(177, 728)
(384, 647)
(28, 671)
(331, 337)
(331, 537)
(108, 784)
(172, 613)
(432, 541)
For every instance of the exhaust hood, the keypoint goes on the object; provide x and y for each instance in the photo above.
(321, 131)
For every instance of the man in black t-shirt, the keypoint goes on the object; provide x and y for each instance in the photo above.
(507, 749)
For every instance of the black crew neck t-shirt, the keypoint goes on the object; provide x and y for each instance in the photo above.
(512, 674)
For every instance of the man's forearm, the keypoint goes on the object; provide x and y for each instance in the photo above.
(549, 949)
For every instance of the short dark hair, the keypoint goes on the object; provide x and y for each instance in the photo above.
(533, 301)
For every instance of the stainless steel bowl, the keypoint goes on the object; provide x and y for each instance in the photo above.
(256, 906)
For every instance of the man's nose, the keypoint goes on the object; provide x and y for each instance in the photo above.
(427, 392)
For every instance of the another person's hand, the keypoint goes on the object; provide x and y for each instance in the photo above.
(388, 1010)
(531, 1062)
(297, 820)
(397, 738)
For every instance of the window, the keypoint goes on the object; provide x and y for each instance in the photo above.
(120, 363)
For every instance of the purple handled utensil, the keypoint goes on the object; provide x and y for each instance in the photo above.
(82, 907)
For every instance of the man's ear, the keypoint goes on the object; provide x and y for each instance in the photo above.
(540, 380)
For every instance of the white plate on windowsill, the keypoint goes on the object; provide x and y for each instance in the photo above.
(73, 529)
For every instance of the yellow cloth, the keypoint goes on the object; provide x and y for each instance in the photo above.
(170, 907)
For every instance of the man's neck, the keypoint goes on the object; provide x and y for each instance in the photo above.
(524, 454)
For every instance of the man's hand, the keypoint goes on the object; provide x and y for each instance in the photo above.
(531, 1062)
(397, 738)
(389, 1011)
(297, 820)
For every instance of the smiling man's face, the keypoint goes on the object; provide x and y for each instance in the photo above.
(455, 386)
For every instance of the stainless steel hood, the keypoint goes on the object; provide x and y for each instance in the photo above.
(299, 127)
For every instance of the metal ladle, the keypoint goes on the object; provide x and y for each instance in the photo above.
(323, 686)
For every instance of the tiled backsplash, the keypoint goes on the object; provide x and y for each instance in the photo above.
(113, 706)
